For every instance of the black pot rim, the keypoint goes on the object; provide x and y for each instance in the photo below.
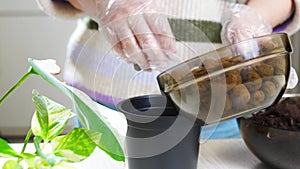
(129, 106)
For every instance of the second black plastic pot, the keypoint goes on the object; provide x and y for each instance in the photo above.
(158, 136)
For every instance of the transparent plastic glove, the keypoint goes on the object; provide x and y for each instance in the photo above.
(293, 79)
(241, 22)
(136, 30)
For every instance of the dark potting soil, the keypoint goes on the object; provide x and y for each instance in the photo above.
(284, 115)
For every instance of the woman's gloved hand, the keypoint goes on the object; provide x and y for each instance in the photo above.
(136, 30)
(241, 22)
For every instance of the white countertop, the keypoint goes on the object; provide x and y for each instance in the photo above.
(214, 154)
(227, 154)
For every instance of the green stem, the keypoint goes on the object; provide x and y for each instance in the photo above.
(26, 140)
(44, 144)
(51, 160)
(29, 133)
(36, 142)
(23, 78)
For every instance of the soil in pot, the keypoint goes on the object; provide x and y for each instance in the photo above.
(284, 115)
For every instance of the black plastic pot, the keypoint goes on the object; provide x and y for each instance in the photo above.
(158, 136)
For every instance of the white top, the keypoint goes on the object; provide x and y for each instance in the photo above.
(93, 67)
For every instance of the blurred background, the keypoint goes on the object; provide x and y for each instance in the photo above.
(25, 32)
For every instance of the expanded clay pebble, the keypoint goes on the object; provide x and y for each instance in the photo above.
(233, 78)
(265, 69)
(197, 72)
(203, 86)
(228, 104)
(269, 88)
(257, 98)
(240, 95)
(252, 79)
(278, 64)
(211, 64)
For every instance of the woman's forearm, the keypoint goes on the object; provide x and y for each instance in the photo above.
(75, 4)
(90, 7)
(273, 11)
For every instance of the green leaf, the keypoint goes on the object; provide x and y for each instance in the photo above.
(11, 164)
(86, 111)
(58, 117)
(40, 120)
(75, 146)
(6, 150)
(108, 142)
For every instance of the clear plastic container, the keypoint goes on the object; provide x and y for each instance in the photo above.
(231, 81)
